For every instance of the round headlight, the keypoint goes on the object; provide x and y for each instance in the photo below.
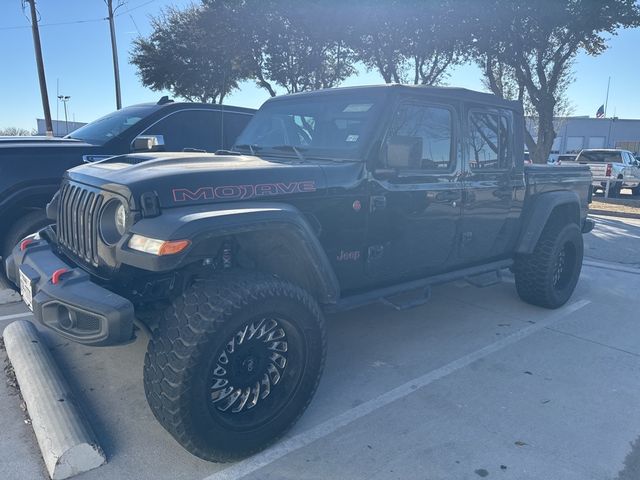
(121, 219)
(113, 222)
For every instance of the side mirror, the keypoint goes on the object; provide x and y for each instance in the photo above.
(401, 152)
(148, 143)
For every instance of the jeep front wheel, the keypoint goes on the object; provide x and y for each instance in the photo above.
(234, 363)
(548, 276)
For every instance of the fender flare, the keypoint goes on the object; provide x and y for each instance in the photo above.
(536, 216)
(202, 223)
(25, 192)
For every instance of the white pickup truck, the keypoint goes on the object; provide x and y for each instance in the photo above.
(619, 168)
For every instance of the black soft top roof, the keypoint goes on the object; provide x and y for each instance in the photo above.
(456, 93)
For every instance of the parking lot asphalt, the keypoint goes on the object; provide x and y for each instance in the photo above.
(474, 384)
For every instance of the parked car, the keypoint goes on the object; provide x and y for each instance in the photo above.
(330, 200)
(31, 167)
(618, 165)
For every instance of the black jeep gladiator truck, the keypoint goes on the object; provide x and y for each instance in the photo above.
(31, 167)
(329, 200)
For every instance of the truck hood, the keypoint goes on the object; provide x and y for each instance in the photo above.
(8, 144)
(180, 179)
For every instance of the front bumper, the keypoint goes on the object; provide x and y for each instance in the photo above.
(74, 307)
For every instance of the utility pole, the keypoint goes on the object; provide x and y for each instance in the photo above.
(40, 64)
(114, 50)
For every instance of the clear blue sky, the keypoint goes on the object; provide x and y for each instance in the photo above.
(78, 55)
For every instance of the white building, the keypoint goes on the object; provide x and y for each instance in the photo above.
(60, 127)
(576, 133)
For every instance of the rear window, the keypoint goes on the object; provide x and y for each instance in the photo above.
(604, 157)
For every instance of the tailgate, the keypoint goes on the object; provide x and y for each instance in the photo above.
(598, 169)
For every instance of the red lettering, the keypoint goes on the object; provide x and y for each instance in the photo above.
(228, 191)
(266, 189)
(203, 193)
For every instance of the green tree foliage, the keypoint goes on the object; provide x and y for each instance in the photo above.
(305, 47)
(194, 53)
(527, 49)
(406, 41)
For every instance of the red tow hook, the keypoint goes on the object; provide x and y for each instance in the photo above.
(25, 243)
(57, 275)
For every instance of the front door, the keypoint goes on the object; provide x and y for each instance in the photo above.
(415, 205)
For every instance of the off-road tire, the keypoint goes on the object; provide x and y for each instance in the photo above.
(183, 351)
(615, 189)
(535, 274)
(27, 224)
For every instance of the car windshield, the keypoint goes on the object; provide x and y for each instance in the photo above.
(600, 156)
(333, 127)
(104, 129)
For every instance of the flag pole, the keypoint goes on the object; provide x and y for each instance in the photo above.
(606, 102)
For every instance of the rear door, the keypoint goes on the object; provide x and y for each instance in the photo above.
(198, 129)
(414, 211)
(492, 180)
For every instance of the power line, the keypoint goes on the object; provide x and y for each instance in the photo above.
(55, 24)
(72, 22)
(136, 7)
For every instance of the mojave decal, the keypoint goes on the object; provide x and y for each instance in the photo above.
(242, 192)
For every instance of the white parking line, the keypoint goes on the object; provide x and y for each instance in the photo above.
(15, 315)
(287, 446)
(618, 267)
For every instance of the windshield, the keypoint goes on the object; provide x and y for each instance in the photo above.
(327, 126)
(600, 156)
(104, 129)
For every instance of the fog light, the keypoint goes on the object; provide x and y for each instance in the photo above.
(66, 318)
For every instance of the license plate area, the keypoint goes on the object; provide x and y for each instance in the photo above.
(26, 289)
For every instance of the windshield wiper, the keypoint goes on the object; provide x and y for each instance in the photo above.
(251, 147)
(291, 148)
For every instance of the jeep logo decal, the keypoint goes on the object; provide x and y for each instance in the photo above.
(242, 192)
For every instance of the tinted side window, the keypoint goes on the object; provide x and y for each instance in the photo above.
(489, 141)
(233, 125)
(434, 126)
(199, 129)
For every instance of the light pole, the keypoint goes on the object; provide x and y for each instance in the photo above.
(64, 99)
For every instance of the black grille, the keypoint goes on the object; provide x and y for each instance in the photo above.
(78, 221)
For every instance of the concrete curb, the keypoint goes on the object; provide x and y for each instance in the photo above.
(66, 440)
(608, 213)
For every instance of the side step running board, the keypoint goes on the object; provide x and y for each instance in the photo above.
(384, 294)
(406, 305)
(485, 279)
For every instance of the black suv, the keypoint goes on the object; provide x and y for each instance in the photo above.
(31, 167)
(330, 200)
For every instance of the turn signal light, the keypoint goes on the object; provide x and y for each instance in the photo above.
(157, 247)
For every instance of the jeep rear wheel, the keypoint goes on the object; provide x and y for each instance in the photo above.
(548, 276)
(234, 363)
